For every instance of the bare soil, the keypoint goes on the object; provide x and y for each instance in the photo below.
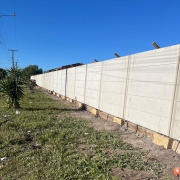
(167, 157)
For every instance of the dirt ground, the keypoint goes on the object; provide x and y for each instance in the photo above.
(168, 158)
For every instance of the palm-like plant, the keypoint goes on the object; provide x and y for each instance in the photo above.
(11, 88)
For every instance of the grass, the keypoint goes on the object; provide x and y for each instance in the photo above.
(45, 142)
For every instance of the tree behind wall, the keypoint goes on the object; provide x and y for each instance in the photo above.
(3, 73)
(30, 70)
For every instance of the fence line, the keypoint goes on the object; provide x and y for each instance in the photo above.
(141, 88)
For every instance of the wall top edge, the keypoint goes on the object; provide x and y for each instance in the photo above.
(173, 47)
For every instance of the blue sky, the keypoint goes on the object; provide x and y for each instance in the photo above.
(52, 33)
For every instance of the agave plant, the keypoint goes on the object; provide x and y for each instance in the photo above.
(11, 88)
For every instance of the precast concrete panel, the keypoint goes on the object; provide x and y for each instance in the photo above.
(55, 81)
(43, 77)
(46, 80)
(38, 80)
(174, 131)
(70, 89)
(150, 88)
(63, 81)
(175, 127)
(93, 82)
(49, 81)
(42, 80)
(52, 82)
(50, 87)
(113, 86)
(59, 76)
(80, 77)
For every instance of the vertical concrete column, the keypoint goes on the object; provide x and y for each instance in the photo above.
(100, 88)
(65, 84)
(56, 81)
(74, 85)
(174, 125)
(85, 86)
(126, 87)
(61, 82)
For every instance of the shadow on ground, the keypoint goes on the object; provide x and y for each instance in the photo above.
(54, 109)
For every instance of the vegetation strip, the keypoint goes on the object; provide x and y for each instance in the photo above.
(43, 141)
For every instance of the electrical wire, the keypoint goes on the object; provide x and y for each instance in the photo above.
(15, 27)
(3, 37)
(3, 40)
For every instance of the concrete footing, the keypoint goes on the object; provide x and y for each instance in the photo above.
(118, 121)
(133, 127)
(103, 115)
(161, 140)
(92, 110)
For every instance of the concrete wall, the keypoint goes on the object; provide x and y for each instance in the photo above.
(150, 89)
(142, 88)
(70, 85)
(113, 86)
(80, 79)
(174, 129)
(93, 81)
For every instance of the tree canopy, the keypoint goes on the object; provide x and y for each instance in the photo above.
(3, 73)
(30, 70)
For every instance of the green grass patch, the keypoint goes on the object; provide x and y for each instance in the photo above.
(45, 142)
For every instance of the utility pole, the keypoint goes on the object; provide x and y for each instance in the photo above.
(10, 50)
(12, 57)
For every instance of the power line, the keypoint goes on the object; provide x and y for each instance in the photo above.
(15, 29)
(4, 41)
